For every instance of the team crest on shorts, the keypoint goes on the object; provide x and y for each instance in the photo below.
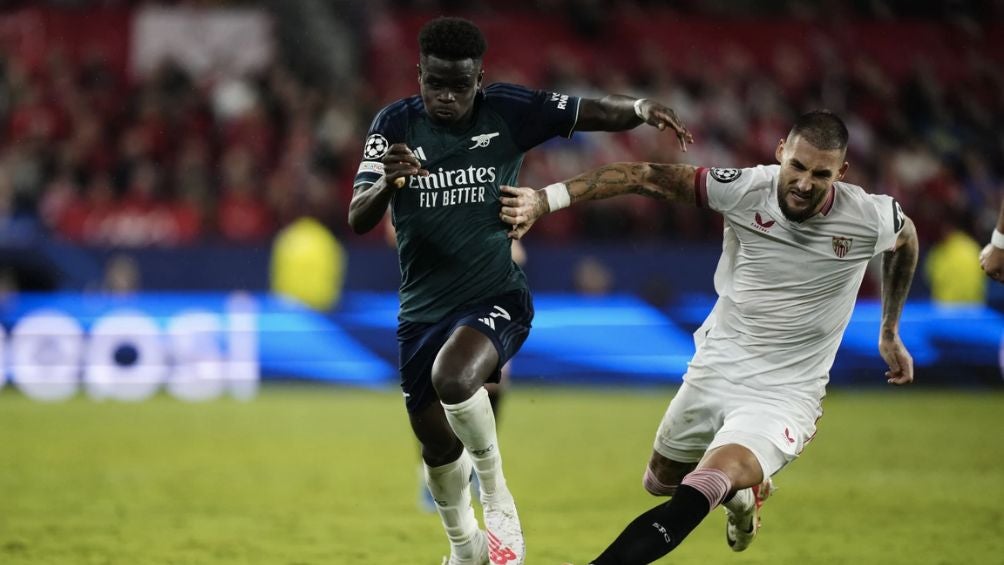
(842, 245)
(376, 146)
(725, 175)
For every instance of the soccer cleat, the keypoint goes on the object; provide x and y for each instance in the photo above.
(480, 552)
(505, 535)
(741, 528)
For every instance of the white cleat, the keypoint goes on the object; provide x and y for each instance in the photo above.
(505, 535)
(479, 550)
(741, 527)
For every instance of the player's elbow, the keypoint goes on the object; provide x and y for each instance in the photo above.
(907, 237)
(359, 228)
(358, 223)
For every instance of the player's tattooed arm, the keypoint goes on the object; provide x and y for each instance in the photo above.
(898, 267)
(521, 206)
(674, 183)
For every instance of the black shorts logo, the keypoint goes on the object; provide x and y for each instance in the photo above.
(725, 175)
(376, 147)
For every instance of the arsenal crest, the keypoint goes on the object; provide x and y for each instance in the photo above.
(842, 245)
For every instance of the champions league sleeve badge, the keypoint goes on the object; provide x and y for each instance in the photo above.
(376, 147)
(725, 175)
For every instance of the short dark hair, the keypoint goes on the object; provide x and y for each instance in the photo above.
(453, 39)
(822, 128)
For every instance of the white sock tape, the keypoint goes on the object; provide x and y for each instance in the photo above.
(557, 196)
(637, 108)
(997, 239)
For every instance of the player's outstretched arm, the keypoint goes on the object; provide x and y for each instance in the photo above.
(992, 256)
(898, 266)
(369, 202)
(618, 113)
(521, 206)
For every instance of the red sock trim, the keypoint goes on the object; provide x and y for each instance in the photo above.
(712, 483)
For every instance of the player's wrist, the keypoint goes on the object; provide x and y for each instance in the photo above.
(557, 196)
(637, 108)
(888, 331)
(997, 239)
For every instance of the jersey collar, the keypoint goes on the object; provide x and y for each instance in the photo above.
(824, 211)
(828, 205)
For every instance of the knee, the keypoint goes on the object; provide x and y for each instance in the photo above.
(443, 451)
(663, 475)
(656, 487)
(454, 382)
(738, 463)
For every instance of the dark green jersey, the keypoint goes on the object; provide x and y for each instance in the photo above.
(452, 245)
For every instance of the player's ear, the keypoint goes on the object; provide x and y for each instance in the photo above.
(779, 151)
(843, 170)
(481, 78)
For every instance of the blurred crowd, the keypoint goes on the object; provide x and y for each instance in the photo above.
(935, 146)
(93, 157)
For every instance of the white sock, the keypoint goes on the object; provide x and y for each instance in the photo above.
(474, 423)
(741, 502)
(450, 487)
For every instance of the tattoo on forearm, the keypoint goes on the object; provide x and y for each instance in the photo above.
(897, 274)
(654, 180)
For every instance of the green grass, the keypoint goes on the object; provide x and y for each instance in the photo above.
(329, 475)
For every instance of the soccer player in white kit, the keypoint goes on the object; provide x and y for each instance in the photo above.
(797, 242)
(992, 256)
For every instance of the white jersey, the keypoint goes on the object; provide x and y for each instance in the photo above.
(786, 289)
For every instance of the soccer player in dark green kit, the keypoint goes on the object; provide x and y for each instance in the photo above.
(438, 160)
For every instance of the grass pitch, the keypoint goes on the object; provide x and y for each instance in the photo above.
(308, 475)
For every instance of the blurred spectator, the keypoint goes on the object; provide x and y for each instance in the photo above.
(308, 264)
(243, 216)
(949, 271)
(952, 267)
(122, 275)
(591, 277)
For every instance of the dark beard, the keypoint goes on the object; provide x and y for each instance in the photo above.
(799, 216)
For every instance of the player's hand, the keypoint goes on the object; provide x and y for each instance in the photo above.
(992, 262)
(400, 163)
(521, 206)
(898, 358)
(662, 117)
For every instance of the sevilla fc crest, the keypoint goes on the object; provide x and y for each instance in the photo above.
(842, 245)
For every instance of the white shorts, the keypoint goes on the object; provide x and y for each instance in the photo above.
(709, 412)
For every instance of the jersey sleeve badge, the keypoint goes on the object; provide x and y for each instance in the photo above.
(898, 217)
(725, 175)
(376, 147)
